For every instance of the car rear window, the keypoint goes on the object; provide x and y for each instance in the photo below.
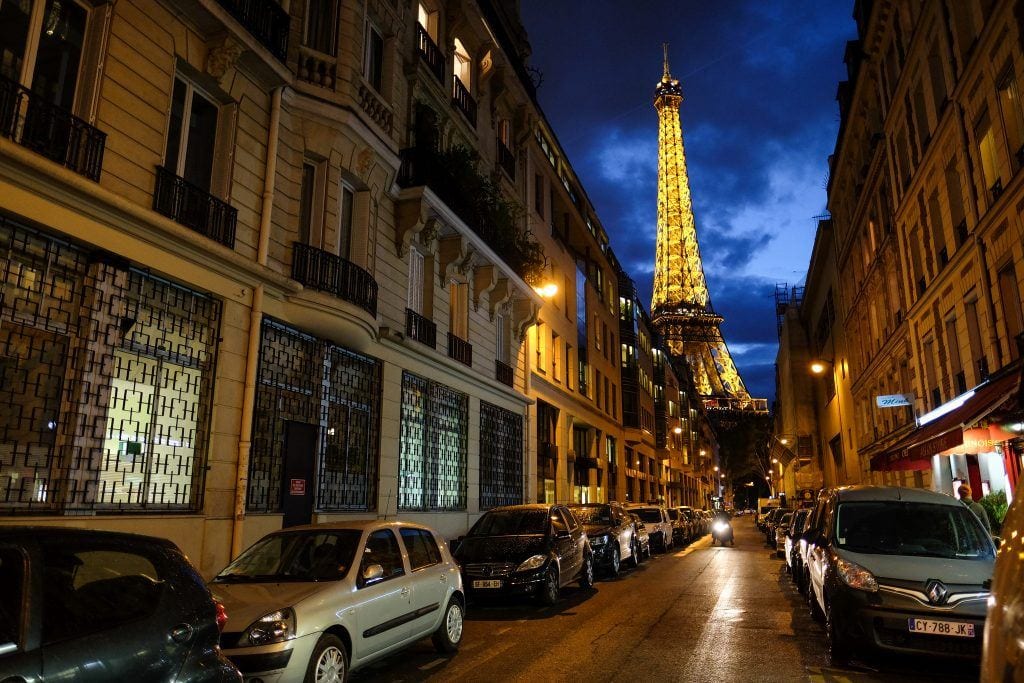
(649, 514)
(421, 546)
(673, 514)
(909, 528)
(511, 523)
(592, 514)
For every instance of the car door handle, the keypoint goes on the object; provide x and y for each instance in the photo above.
(181, 633)
(405, 592)
(444, 579)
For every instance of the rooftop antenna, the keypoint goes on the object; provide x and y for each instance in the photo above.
(666, 76)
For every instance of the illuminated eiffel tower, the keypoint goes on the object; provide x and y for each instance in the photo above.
(681, 307)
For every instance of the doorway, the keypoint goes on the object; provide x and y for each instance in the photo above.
(300, 446)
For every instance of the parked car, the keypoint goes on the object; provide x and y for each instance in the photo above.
(898, 569)
(1003, 652)
(771, 521)
(682, 526)
(82, 605)
(659, 526)
(316, 602)
(643, 538)
(793, 538)
(706, 518)
(611, 532)
(695, 523)
(525, 550)
(781, 530)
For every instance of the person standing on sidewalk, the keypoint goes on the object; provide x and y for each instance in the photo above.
(974, 506)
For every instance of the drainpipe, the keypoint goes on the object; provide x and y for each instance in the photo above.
(255, 322)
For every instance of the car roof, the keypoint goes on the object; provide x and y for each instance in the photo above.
(356, 525)
(44, 532)
(893, 493)
(527, 506)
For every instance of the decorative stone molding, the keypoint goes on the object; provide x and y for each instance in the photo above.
(455, 257)
(411, 218)
(501, 298)
(222, 58)
(524, 314)
(485, 277)
(364, 162)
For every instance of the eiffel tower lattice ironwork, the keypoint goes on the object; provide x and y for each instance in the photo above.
(681, 306)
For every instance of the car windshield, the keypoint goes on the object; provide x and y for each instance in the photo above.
(673, 514)
(511, 523)
(596, 514)
(649, 514)
(916, 529)
(295, 556)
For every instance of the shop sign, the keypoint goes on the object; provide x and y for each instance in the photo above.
(297, 487)
(980, 440)
(894, 400)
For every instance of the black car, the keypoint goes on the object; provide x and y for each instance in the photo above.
(529, 550)
(100, 606)
(611, 532)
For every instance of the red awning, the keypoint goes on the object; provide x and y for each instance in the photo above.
(914, 451)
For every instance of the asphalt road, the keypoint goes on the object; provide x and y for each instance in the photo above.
(700, 613)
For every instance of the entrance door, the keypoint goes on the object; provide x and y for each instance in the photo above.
(300, 444)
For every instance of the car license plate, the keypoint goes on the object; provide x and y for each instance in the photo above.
(941, 628)
(487, 583)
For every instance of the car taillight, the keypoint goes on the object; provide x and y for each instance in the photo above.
(222, 617)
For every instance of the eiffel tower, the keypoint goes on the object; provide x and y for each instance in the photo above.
(681, 307)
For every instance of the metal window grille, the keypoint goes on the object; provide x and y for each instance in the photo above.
(434, 441)
(106, 381)
(501, 461)
(306, 379)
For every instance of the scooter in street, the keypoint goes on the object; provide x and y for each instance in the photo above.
(721, 532)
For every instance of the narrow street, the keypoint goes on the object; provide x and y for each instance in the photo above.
(702, 613)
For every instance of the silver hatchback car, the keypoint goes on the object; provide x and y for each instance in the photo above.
(312, 603)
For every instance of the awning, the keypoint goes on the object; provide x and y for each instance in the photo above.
(914, 451)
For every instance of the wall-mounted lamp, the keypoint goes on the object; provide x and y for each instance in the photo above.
(546, 290)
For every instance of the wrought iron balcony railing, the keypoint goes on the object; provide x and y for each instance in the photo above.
(430, 53)
(420, 328)
(28, 119)
(506, 160)
(194, 207)
(331, 273)
(460, 349)
(463, 101)
(504, 373)
(266, 20)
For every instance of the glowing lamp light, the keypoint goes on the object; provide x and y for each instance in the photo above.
(774, 460)
(784, 441)
(715, 468)
(547, 290)
(818, 367)
(677, 430)
(703, 452)
(722, 476)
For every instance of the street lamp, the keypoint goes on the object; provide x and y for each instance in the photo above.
(818, 367)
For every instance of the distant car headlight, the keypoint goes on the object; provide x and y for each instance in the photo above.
(532, 563)
(856, 576)
(275, 627)
(598, 540)
(721, 526)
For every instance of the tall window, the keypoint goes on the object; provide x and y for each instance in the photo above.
(463, 65)
(956, 369)
(540, 346)
(346, 196)
(501, 340)
(938, 231)
(373, 60)
(191, 134)
(61, 29)
(985, 139)
(322, 25)
(936, 73)
(1009, 296)
(432, 446)
(555, 339)
(1013, 117)
(955, 195)
(978, 359)
(415, 292)
(501, 463)
(427, 17)
(306, 193)
(458, 312)
(538, 194)
(505, 132)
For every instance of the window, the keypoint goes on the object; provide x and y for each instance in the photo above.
(373, 60)
(421, 547)
(427, 18)
(382, 549)
(501, 339)
(1009, 296)
(306, 194)
(568, 367)
(955, 195)
(505, 132)
(554, 357)
(191, 135)
(1013, 123)
(433, 446)
(956, 369)
(541, 347)
(538, 194)
(463, 65)
(501, 462)
(985, 139)
(936, 72)
(974, 340)
(61, 27)
(938, 232)
(415, 292)
(322, 25)
(458, 312)
(346, 197)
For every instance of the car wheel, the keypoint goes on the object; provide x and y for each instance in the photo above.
(616, 563)
(839, 650)
(587, 572)
(449, 632)
(634, 554)
(549, 589)
(812, 603)
(329, 661)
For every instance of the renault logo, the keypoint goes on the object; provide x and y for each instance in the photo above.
(936, 591)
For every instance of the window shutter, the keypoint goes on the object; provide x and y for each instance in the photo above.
(415, 297)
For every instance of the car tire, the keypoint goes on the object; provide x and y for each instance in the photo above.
(587, 572)
(616, 563)
(839, 650)
(634, 554)
(550, 589)
(812, 603)
(449, 632)
(329, 661)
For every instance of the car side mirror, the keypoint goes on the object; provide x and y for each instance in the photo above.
(373, 573)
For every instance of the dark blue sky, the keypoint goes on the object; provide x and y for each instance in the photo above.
(759, 120)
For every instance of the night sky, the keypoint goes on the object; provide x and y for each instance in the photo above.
(759, 120)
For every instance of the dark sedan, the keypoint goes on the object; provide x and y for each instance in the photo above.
(612, 534)
(98, 606)
(531, 550)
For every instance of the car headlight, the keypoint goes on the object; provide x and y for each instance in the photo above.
(856, 576)
(532, 563)
(275, 627)
(598, 540)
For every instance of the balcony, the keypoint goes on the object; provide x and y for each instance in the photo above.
(421, 329)
(460, 349)
(506, 160)
(463, 101)
(194, 207)
(328, 272)
(49, 130)
(504, 373)
(266, 20)
(430, 53)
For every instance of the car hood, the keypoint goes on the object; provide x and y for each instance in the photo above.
(247, 602)
(920, 569)
(500, 548)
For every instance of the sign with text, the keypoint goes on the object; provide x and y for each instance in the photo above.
(894, 400)
(297, 487)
